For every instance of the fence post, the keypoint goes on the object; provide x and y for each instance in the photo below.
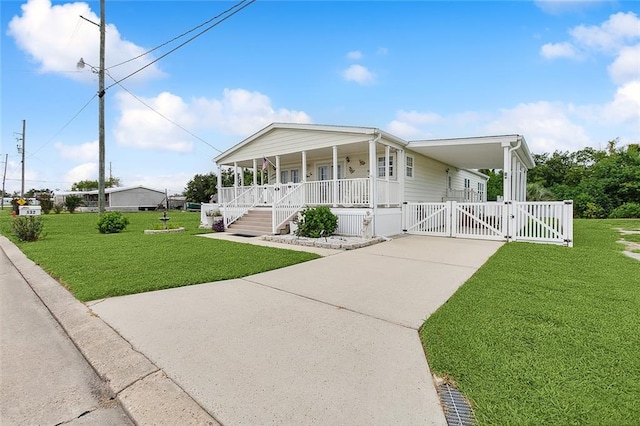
(509, 219)
(567, 226)
(404, 217)
(451, 217)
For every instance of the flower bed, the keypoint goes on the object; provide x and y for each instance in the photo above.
(333, 242)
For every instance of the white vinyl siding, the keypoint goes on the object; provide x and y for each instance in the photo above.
(429, 180)
(288, 141)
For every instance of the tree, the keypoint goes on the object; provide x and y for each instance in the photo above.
(201, 188)
(91, 185)
(495, 185)
(72, 202)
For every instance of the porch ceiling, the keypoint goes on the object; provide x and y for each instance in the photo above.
(485, 152)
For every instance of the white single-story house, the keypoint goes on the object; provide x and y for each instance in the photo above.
(131, 198)
(375, 182)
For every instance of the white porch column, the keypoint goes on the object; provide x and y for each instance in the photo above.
(235, 179)
(524, 198)
(277, 170)
(506, 168)
(255, 181)
(255, 172)
(334, 150)
(387, 169)
(219, 184)
(242, 177)
(402, 172)
(373, 167)
(304, 166)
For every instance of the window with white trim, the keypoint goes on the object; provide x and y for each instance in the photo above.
(409, 166)
(467, 183)
(480, 187)
(382, 164)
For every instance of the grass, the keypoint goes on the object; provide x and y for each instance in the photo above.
(545, 334)
(94, 266)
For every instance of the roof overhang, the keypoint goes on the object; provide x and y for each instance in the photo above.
(371, 132)
(483, 152)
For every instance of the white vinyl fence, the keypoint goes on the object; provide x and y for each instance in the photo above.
(534, 221)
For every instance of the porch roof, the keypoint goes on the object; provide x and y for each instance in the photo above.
(365, 132)
(483, 152)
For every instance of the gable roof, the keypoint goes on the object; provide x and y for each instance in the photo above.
(373, 131)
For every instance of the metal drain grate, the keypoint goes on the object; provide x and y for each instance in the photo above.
(457, 410)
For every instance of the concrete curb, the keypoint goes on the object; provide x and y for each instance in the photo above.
(144, 391)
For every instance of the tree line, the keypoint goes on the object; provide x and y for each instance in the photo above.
(601, 182)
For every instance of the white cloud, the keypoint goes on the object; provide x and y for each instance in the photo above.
(559, 50)
(545, 125)
(355, 55)
(626, 67)
(613, 34)
(85, 152)
(55, 37)
(85, 171)
(359, 74)
(625, 107)
(241, 112)
(411, 124)
(140, 127)
(238, 112)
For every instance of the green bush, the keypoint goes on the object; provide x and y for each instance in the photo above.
(317, 222)
(27, 228)
(57, 208)
(112, 223)
(72, 202)
(627, 210)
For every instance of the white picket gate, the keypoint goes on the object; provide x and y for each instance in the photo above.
(541, 221)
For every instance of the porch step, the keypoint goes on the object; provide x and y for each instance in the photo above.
(255, 222)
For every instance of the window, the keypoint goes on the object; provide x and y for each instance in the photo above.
(480, 187)
(449, 181)
(290, 176)
(295, 176)
(284, 176)
(409, 165)
(381, 166)
(467, 183)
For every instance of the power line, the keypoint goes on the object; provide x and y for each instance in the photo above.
(184, 43)
(63, 127)
(164, 116)
(177, 37)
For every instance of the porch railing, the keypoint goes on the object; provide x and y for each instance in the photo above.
(286, 206)
(466, 195)
(238, 206)
(388, 192)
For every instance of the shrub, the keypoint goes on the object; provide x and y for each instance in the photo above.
(72, 202)
(317, 222)
(57, 208)
(27, 228)
(627, 210)
(112, 223)
(218, 225)
(45, 202)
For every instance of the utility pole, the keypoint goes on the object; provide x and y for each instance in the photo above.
(101, 148)
(24, 129)
(4, 178)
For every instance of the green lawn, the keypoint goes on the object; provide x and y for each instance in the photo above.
(546, 335)
(95, 266)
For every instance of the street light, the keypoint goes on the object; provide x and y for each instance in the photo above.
(100, 71)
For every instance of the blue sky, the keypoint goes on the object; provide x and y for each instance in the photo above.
(565, 74)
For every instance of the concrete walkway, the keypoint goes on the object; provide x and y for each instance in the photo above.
(331, 341)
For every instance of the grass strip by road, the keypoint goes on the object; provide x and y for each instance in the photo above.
(546, 335)
(94, 266)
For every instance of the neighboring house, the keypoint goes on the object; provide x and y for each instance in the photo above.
(362, 172)
(119, 198)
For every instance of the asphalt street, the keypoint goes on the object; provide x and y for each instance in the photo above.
(43, 377)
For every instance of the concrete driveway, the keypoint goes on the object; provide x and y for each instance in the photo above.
(331, 341)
